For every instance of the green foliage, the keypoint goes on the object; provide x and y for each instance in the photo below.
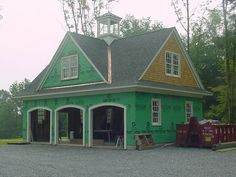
(207, 50)
(10, 110)
(11, 140)
(80, 15)
(132, 26)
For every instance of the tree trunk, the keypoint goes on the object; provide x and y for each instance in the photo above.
(188, 30)
(233, 83)
(227, 63)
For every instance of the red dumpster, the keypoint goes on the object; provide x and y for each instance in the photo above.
(204, 133)
(181, 134)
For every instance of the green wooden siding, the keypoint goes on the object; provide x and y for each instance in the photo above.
(87, 73)
(172, 113)
(138, 112)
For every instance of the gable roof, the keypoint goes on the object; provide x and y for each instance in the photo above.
(130, 57)
(95, 49)
(133, 54)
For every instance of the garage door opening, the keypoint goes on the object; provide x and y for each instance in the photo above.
(107, 127)
(39, 122)
(70, 126)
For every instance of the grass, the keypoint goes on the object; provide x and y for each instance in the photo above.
(12, 140)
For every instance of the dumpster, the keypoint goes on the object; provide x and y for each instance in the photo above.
(181, 134)
(204, 133)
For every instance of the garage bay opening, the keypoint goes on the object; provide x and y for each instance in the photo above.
(39, 121)
(70, 126)
(108, 126)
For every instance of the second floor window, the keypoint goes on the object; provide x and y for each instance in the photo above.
(172, 62)
(69, 67)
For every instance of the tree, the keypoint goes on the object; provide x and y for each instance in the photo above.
(133, 26)
(80, 15)
(205, 53)
(208, 52)
(10, 110)
(229, 65)
(182, 11)
(15, 89)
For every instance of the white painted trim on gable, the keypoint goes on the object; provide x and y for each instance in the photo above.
(189, 61)
(190, 64)
(88, 58)
(56, 121)
(90, 121)
(153, 59)
(53, 61)
(28, 133)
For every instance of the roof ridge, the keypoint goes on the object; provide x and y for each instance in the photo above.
(92, 37)
(148, 32)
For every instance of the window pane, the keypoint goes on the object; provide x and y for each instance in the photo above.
(65, 73)
(188, 110)
(73, 62)
(172, 64)
(155, 111)
(168, 69)
(74, 72)
(70, 67)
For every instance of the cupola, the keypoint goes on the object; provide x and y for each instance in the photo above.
(108, 27)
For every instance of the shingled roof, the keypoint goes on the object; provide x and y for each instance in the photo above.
(130, 57)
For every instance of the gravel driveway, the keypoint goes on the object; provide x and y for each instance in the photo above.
(68, 161)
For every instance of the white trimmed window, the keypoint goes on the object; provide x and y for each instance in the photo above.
(41, 116)
(172, 64)
(188, 110)
(69, 67)
(156, 112)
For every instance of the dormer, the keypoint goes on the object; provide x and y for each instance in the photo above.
(108, 27)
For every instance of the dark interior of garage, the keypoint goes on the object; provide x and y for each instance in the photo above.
(40, 126)
(71, 125)
(108, 125)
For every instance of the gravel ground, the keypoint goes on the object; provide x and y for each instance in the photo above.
(68, 161)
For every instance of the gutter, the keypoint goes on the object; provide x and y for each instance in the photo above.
(118, 89)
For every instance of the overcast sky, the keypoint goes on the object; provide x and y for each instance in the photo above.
(31, 31)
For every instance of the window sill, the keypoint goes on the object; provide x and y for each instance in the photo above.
(70, 78)
(156, 124)
(172, 75)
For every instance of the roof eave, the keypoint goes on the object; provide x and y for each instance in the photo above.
(120, 89)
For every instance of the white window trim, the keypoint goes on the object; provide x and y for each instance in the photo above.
(159, 122)
(69, 78)
(191, 103)
(173, 75)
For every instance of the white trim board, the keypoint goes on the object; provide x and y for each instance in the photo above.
(56, 127)
(28, 123)
(90, 121)
(119, 89)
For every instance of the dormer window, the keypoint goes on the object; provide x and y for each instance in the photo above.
(69, 67)
(172, 63)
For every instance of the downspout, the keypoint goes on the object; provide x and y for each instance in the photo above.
(109, 65)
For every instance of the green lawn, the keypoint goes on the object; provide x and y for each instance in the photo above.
(12, 140)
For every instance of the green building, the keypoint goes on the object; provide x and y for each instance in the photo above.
(104, 90)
